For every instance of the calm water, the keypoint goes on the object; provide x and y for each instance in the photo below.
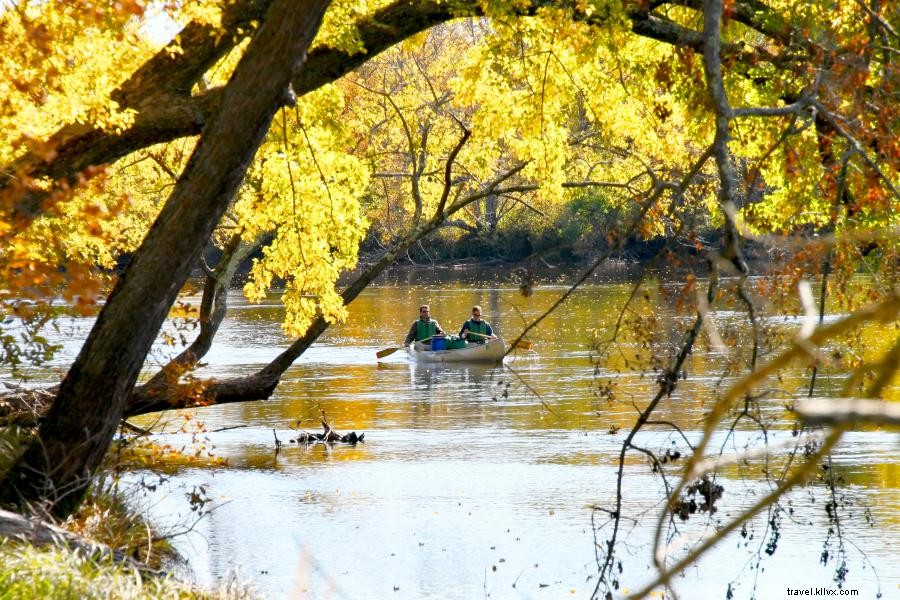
(477, 481)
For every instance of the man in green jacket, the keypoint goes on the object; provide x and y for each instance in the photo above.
(424, 327)
(476, 330)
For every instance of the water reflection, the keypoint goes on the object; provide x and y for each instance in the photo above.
(474, 380)
(470, 467)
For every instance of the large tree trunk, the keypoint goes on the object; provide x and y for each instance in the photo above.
(72, 441)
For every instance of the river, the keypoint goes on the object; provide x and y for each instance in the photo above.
(478, 481)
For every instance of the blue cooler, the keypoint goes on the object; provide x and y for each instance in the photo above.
(438, 343)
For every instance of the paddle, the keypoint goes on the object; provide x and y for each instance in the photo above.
(482, 335)
(388, 351)
(523, 344)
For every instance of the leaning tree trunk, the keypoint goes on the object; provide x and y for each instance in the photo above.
(72, 441)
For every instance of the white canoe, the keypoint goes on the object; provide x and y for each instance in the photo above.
(490, 351)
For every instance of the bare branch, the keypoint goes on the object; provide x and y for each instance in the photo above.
(883, 312)
(795, 108)
(877, 18)
(799, 476)
(448, 171)
(850, 411)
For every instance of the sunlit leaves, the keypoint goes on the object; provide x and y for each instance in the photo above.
(304, 192)
(577, 106)
(339, 29)
(60, 62)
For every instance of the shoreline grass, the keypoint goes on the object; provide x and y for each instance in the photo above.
(55, 573)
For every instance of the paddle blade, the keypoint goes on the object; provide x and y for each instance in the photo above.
(524, 345)
(385, 352)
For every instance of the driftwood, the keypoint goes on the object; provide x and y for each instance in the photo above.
(328, 435)
(40, 533)
(306, 437)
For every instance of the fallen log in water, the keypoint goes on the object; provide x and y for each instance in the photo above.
(328, 435)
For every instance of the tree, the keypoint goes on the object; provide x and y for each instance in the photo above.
(74, 438)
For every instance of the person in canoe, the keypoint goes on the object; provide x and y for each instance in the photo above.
(475, 330)
(423, 328)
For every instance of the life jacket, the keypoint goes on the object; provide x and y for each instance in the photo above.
(425, 329)
(476, 327)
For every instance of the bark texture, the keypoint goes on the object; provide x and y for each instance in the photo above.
(73, 439)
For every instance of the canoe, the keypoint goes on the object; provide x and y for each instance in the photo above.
(490, 351)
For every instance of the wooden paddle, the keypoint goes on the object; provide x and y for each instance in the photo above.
(388, 351)
(523, 344)
(482, 335)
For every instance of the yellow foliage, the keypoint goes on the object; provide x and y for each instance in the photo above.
(574, 103)
(305, 190)
(60, 62)
(339, 28)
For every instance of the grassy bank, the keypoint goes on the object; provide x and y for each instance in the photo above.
(52, 573)
(107, 517)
